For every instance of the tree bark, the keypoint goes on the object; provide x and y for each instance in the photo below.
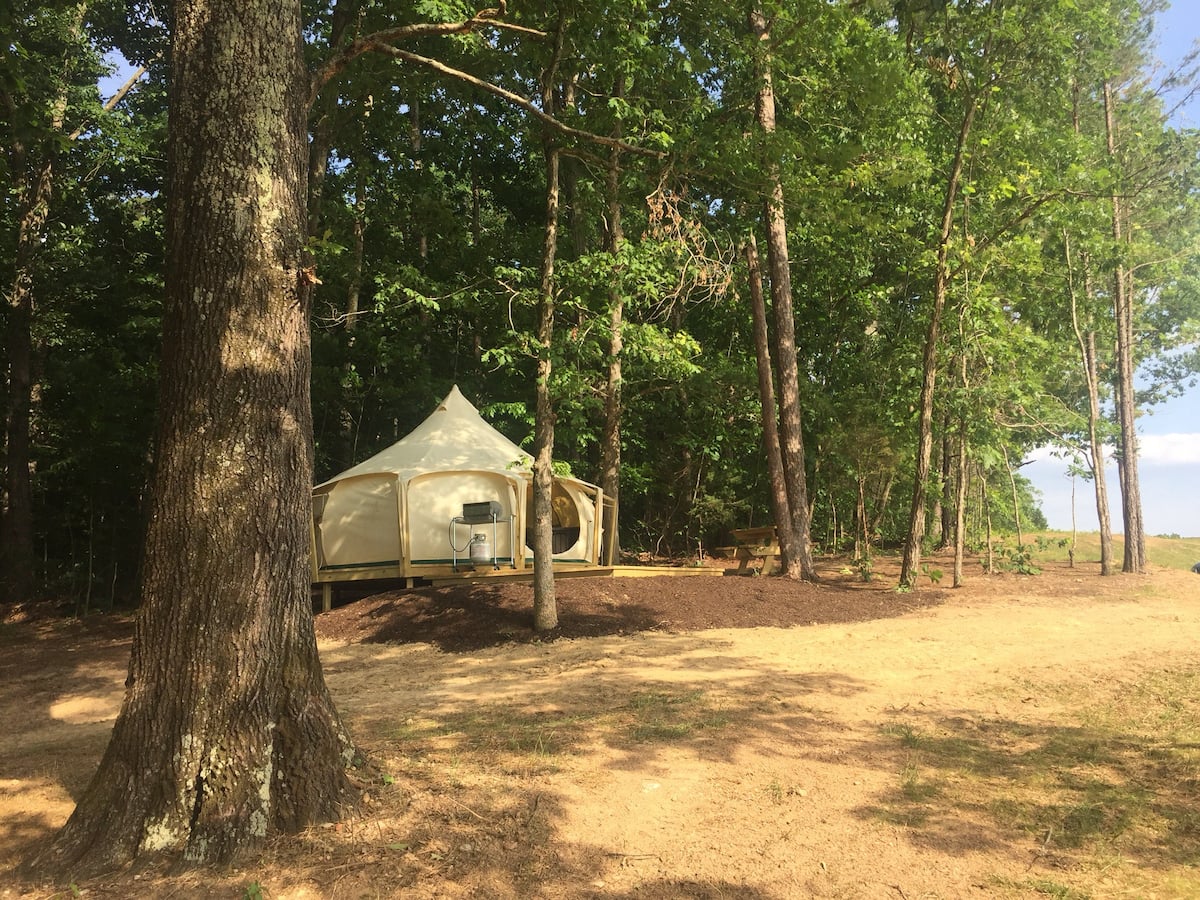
(1016, 497)
(33, 177)
(227, 733)
(911, 559)
(610, 441)
(791, 433)
(960, 484)
(780, 510)
(990, 565)
(323, 124)
(945, 513)
(545, 606)
(1126, 402)
(960, 506)
(1091, 377)
(862, 539)
(33, 206)
(881, 502)
(569, 168)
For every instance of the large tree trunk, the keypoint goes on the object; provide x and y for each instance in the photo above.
(911, 558)
(227, 733)
(780, 510)
(1126, 403)
(790, 429)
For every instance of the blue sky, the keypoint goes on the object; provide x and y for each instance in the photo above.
(1170, 433)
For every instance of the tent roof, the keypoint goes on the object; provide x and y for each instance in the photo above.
(454, 437)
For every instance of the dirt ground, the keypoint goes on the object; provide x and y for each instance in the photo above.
(679, 737)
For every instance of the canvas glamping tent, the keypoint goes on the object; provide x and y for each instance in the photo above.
(394, 515)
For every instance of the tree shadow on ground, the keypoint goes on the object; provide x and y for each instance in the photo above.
(61, 683)
(1063, 791)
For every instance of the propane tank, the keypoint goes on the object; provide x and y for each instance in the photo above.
(481, 550)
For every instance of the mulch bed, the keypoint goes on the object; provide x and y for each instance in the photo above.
(473, 616)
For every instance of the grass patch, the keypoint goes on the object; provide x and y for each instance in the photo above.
(1044, 886)
(908, 736)
(671, 716)
(505, 736)
(1171, 551)
(1114, 788)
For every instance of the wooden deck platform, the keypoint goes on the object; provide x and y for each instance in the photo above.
(389, 581)
(579, 572)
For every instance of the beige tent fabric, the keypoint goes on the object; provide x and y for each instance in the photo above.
(455, 436)
(396, 507)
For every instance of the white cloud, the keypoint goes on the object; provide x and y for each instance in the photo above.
(1177, 449)
(1169, 449)
(1046, 454)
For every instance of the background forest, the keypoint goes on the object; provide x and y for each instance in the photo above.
(989, 226)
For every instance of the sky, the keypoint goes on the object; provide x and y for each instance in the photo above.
(1169, 444)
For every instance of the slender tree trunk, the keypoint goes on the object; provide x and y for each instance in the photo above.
(610, 441)
(1131, 496)
(960, 464)
(946, 509)
(960, 504)
(577, 230)
(911, 559)
(1091, 376)
(33, 175)
(780, 510)
(862, 537)
(1074, 527)
(941, 506)
(227, 733)
(881, 504)
(987, 515)
(1016, 497)
(318, 160)
(33, 205)
(354, 288)
(351, 399)
(476, 194)
(545, 607)
(323, 120)
(790, 428)
(1103, 513)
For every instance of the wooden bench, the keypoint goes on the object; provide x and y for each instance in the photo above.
(759, 544)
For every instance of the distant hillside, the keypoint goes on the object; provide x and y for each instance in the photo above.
(1173, 552)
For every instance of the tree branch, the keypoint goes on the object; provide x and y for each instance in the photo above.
(1008, 226)
(114, 99)
(515, 99)
(374, 41)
